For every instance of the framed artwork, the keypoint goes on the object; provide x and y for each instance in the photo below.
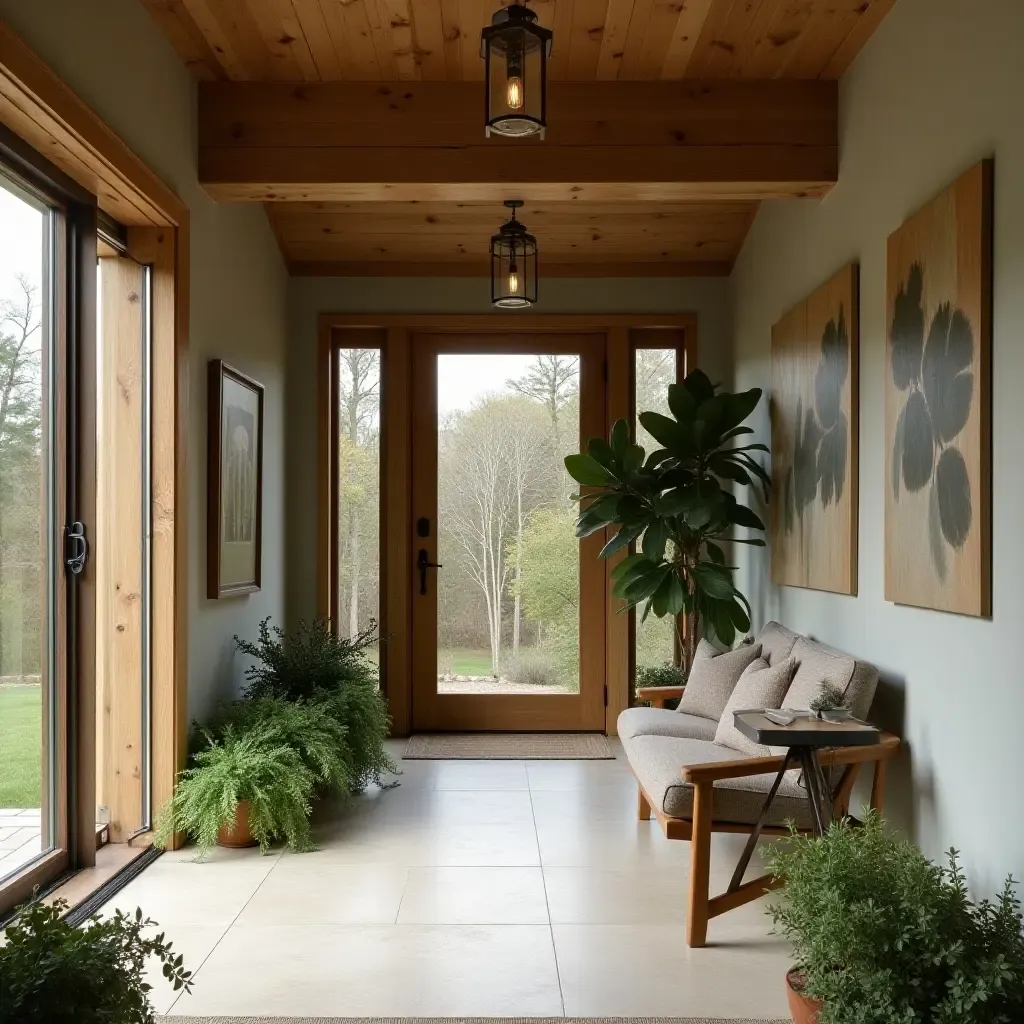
(938, 494)
(815, 427)
(235, 482)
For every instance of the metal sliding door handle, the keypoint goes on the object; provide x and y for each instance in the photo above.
(76, 548)
(423, 563)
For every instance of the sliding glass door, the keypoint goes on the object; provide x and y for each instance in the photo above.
(47, 473)
(31, 696)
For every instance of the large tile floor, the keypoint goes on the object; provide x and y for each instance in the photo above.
(474, 889)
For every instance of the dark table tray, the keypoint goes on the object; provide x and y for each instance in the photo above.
(805, 732)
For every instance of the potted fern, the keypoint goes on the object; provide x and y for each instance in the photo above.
(677, 504)
(881, 935)
(244, 789)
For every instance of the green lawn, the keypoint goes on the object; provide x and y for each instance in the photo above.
(465, 661)
(20, 745)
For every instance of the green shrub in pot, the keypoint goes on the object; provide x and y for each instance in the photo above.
(312, 663)
(54, 973)
(881, 935)
(253, 766)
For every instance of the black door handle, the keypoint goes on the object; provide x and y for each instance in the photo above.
(423, 563)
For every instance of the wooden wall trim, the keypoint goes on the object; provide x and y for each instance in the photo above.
(346, 140)
(158, 247)
(505, 323)
(396, 525)
(382, 268)
(40, 108)
(619, 405)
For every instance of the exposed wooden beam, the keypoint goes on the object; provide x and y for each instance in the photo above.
(481, 268)
(607, 141)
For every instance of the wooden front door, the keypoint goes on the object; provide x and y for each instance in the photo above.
(508, 608)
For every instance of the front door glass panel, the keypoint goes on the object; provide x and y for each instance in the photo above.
(508, 590)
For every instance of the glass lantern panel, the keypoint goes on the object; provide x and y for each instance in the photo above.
(516, 101)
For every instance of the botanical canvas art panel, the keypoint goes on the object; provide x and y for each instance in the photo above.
(937, 412)
(236, 453)
(814, 414)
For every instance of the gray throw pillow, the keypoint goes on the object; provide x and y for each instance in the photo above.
(761, 687)
(712, 678)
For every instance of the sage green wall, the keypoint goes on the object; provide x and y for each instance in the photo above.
(112, 55)
(308, 297)
(937, 88)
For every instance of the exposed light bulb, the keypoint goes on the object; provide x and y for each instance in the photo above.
(514, 92)
(513, 282)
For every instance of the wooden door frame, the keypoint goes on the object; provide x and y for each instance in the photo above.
(431, 711)
(40, 114)
(396, 333)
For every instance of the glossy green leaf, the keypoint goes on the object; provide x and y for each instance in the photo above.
(699, 385)
(585, 469)
(654, 540)
(620, 439)
(682, 402)
(601, 450)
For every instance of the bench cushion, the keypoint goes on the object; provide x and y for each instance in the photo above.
(663, 722)
(657, 761)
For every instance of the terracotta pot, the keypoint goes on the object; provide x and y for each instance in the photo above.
(804, 1010)
(239, 836)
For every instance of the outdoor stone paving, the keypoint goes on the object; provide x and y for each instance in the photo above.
(20, 837)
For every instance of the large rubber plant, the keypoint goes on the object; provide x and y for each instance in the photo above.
(677, 505)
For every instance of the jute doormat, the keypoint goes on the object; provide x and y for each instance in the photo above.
(497, 746)
(470, 1020)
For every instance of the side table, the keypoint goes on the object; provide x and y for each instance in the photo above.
(803, 738)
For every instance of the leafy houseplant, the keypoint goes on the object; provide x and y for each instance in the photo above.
(675, 501)
(881, 935)
(314, 664)
(307, 725)
(254, 768)
(660, 675)
(830, 698)
(54, 973)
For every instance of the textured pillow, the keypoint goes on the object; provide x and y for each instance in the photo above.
(816, 665)
(762, 686)
(712, 678)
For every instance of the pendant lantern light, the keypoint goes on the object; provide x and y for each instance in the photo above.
(515, 50)
(513, 263)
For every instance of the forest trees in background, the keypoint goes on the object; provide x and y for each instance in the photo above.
(510, 582)
(500, 473)
(359, 487)
(21, 479)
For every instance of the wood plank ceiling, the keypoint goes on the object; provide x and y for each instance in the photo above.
(438, 40)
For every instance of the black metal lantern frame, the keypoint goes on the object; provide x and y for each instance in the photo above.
(513, 263)
(515, 50)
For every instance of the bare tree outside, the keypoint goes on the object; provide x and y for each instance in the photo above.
(358, 487)
(23, 534)
(508, 613)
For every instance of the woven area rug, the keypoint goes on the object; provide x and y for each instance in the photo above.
(503, 746)
(469, 1020)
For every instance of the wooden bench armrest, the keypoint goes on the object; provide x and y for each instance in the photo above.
(657, 695)
(743, 767)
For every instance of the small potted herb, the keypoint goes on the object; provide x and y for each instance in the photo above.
(830, 704)
(54, 973)
(881, 935)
